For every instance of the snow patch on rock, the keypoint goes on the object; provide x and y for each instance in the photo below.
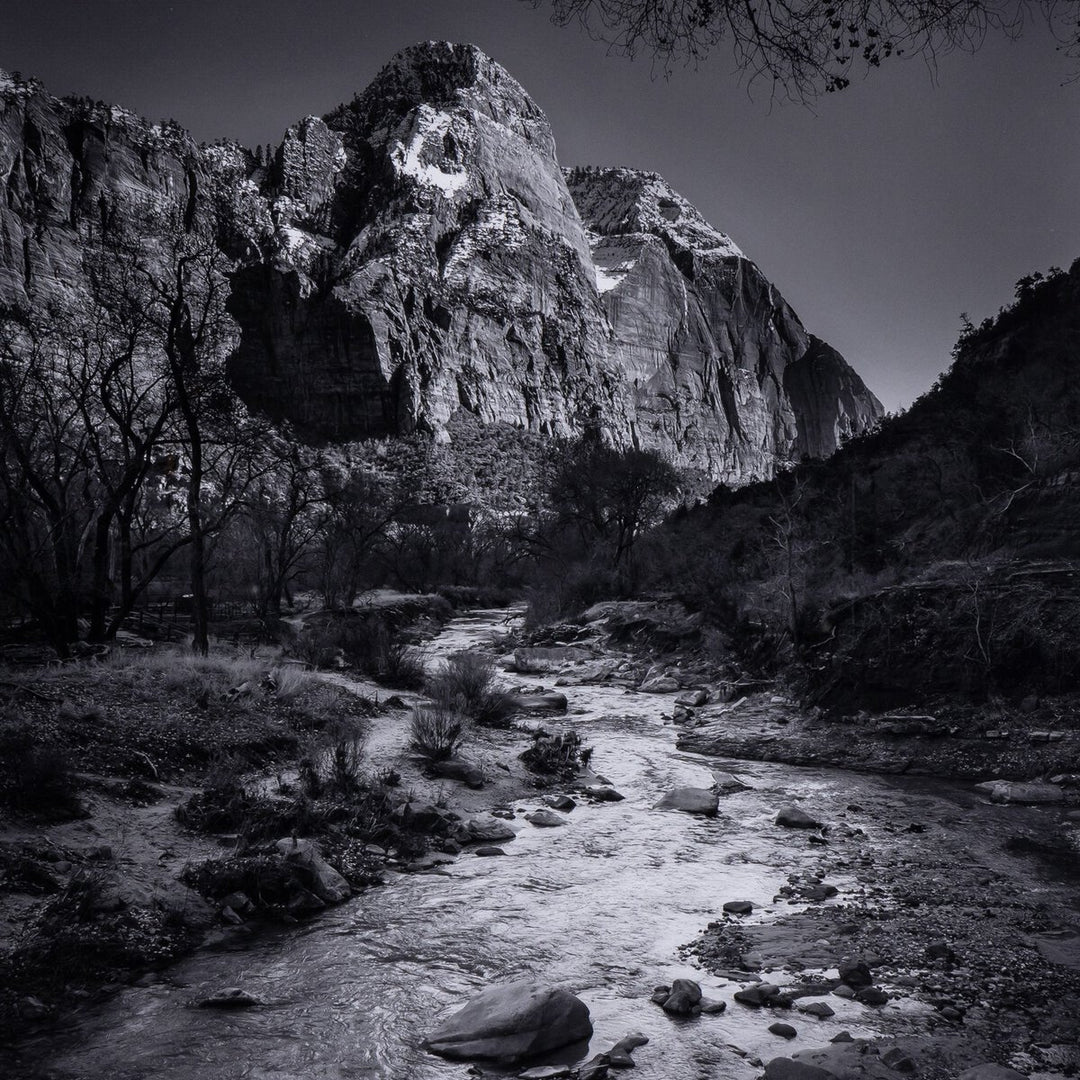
(429, 126)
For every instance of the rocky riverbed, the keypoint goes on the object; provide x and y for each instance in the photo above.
(915, 927)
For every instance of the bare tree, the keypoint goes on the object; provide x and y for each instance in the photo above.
(45, 482)
(803, 47)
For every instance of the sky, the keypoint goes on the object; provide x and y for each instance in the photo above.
(880, 213)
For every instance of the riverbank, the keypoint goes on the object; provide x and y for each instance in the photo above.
(149, 799)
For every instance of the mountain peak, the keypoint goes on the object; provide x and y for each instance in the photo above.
(442, 75)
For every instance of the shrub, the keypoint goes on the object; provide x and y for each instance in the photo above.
(556, 756)
(436, 733)
(401, 666)
(334, 765)
(466, 685)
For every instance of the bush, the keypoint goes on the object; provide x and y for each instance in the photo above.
(401, 666)
(465, 685)
(556, 756)
(436, 733)
(334, 765)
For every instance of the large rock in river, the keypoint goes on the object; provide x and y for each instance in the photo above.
(510, 1023)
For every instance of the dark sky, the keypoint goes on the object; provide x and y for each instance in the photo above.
(881, 213)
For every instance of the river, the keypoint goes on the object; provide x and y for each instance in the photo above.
(600, 907)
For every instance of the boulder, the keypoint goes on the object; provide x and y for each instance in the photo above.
(785, 1031)
(508, 1023)
(456, 769)
(791, 817)
(855, 973)
(789, 1069)
(684, 998)
(540, 701)
(690, 800)
(1028, 794)
(545, 819)
(486, 831)
(738, 907)
(322, 879)
(603, 793)
(757, 995)
(873, 996)
(560, 802)
(817, 1008)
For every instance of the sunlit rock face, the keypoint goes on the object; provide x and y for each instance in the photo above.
(419, 251)
(429, 258)
(723, 375)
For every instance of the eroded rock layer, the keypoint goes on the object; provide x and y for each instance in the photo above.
(419, 251)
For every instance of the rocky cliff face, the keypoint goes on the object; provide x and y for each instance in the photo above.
(723, 375)
(419, 251)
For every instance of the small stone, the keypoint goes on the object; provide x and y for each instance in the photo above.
(712, 1008)
(785, 1031)
(488, 851)
(738, 907)
(842, 1037)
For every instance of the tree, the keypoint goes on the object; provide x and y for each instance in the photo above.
(285, 513)
(805, 46)
(46, 484)
(610, 497)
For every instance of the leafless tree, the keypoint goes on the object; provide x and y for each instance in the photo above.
(802, 47)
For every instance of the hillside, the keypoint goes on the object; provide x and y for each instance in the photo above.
(936, 556)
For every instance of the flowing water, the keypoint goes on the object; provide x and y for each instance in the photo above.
(599, 907)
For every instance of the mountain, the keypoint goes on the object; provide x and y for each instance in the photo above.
(419, 252)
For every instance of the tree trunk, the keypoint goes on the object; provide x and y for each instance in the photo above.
(100, 591)
(200, 615)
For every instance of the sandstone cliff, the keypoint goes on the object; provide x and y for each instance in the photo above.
(419, 252)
